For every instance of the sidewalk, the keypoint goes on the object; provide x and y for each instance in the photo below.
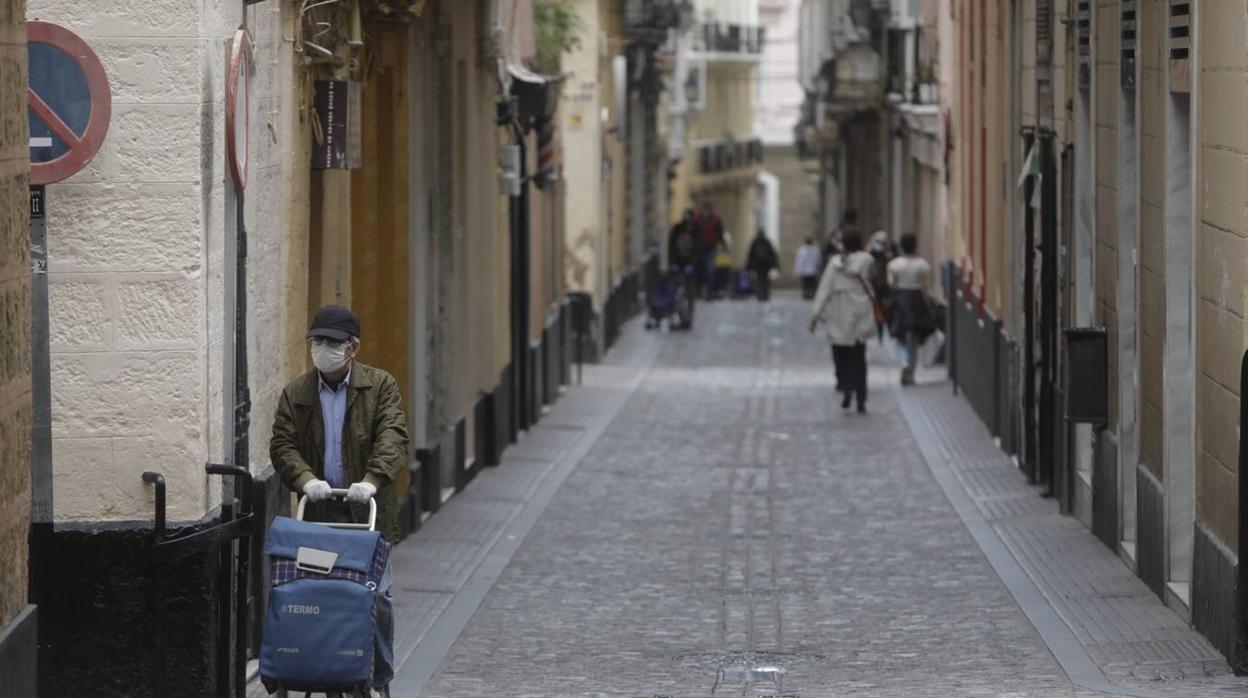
(702, 506)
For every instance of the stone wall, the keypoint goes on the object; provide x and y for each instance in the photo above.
(1221, 264)
(15, 405)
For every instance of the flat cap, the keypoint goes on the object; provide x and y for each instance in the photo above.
(335, 322)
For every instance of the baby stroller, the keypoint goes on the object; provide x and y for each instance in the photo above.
(672, 301)
(330, 622)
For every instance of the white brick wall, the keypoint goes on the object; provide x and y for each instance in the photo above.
(136, 245)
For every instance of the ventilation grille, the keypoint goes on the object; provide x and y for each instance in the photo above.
(1180, 30)
(1044, 26)
(1083, 24)
(1129, 27)
(1180, 33)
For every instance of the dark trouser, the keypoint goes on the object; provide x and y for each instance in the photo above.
(809, 285)
(851, 369)
(706, 273)
(762, 285)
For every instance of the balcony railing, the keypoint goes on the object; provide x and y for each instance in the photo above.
(728, 155)
(650, 19)
(715, 37)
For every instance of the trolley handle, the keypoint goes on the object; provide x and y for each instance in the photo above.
(337, 493)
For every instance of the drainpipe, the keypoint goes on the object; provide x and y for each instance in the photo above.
(1239, 653)
(1029, 312)
(1048, 240)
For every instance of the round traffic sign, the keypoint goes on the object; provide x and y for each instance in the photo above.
(237, 109)
(69, 102)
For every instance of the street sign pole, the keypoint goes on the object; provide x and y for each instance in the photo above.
(41, 515)
(234, 612)
(69, 105)
(41, 365)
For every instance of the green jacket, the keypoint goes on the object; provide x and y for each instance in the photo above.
(374, 442)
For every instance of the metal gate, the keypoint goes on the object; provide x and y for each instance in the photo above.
(231, 538)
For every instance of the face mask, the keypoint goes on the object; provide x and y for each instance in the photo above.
(328, 359)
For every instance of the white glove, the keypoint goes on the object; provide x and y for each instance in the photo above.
(317, 490)
(361, 492)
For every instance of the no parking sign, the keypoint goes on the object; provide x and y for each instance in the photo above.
(69, 102)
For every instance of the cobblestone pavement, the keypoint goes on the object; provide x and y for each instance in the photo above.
(732, 514)
(724, 513)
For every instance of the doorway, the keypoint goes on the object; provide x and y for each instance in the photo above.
(380, 236)
(1179, 350)
(1128, 323)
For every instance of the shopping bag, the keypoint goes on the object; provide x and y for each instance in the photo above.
(930, 349)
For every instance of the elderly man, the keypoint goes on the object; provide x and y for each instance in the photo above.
(341, 426)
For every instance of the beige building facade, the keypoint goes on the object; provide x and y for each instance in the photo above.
(724, 151)
(458, 280)
(1125, 212)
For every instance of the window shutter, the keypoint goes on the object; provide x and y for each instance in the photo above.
(1180, 45)
(1129, 28)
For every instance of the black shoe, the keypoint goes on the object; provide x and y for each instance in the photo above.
(862, 408)
(847, 399)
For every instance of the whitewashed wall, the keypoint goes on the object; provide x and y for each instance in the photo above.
(136, 253)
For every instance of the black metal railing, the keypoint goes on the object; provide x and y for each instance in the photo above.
(728, 155)
(236, 524)
(651, 18)
(982, 364)
(732, 38)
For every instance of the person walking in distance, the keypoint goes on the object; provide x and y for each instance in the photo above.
(711, 227)
(341, 426)
(882, 251)
(806, 266)
(682, 242)
(844, 303)
(912, 322)
(761, 260)
(833, 245)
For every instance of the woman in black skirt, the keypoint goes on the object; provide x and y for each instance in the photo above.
(912, 321)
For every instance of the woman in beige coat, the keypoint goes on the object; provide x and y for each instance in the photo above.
(844, 303)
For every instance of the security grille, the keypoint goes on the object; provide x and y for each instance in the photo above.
(1180, 33)
(1083, 23)
(1129, 28)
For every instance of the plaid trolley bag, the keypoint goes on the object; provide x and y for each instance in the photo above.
(329, 627)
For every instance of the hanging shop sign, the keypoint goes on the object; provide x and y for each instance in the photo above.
(69, 101)
(338, 143)
(237, 108)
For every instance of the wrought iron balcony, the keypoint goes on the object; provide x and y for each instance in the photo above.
(649, 20)
(715, 37)
(728, 155)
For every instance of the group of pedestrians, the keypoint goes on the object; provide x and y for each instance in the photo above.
(860, 294)
(699, 248)
(696, 245)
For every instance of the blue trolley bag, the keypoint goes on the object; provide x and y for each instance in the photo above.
(329, 626)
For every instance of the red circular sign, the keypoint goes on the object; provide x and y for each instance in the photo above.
(237, 109)
(82, 140)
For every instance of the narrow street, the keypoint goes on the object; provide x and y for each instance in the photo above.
(718, 511)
